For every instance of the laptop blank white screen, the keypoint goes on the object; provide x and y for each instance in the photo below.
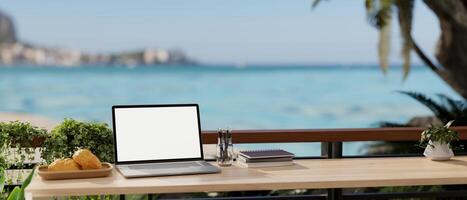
(156, 133)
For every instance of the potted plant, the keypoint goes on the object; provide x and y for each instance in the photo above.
(437, 140)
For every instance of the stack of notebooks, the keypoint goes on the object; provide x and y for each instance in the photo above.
(265, 158)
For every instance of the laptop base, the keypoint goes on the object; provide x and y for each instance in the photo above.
(166, 169)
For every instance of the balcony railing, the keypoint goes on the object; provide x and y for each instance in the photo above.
(325, 135)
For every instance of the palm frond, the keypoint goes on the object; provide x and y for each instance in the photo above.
(405, 15)
(379, 15)
(384, 46)
(455, 106)
(315, 4)
(369, 4)
(378, 12)
(438, 110)
(391, 124)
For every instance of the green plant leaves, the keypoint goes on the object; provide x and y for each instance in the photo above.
(25, 184)
(63, 141)
(446, 109)
(405, 16)
(21, 133)
(440, 111)
(441, 134)
(71, 135)
(18, 192)
(458, 108)
(22, 136)
(15, 194)
(2, 180)
(449, 124)
(379, 15)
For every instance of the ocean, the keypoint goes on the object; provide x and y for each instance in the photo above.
(279, 97)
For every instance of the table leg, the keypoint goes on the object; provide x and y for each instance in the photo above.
(335, 194)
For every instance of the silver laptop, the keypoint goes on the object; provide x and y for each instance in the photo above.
(158, 140)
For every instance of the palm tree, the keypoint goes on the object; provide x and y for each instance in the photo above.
(445, 110)
(452, 44)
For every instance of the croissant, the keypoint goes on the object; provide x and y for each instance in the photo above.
(86, 159)
(67, 164)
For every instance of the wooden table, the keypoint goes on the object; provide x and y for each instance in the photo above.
(326, 173)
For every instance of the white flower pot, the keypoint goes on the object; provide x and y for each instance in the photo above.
(438, 151)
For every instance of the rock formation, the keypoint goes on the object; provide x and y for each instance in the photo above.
(7, 29)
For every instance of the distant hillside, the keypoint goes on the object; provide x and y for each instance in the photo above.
(7, 29)
(14, 52)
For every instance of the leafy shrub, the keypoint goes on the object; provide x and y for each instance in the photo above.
(3, 152)
(71, 135)
(22, 136)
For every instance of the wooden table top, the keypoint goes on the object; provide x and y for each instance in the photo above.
(321, 173)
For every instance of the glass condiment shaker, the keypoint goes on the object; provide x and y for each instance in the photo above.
(225, 153)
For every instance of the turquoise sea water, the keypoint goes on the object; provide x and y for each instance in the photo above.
(239, 98)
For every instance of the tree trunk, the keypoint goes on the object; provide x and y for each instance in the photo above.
(451, 50)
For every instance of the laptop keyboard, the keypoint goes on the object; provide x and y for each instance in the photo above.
(165, 166)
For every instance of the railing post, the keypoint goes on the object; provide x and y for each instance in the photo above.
(326, 149)
(332, 150)
(336, 149)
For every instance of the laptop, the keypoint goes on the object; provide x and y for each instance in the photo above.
(158, 140)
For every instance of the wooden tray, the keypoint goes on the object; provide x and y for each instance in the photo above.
(60, 175)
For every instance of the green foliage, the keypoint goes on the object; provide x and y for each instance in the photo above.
(71, 135)
(391, 124)
(3, 153)
(446, 109)
(379, 15)
(405, 16)
(18, 192)
(20, 135)
(441, 134)
(64, 139)
(378, 12)
(2, 180)
(14, 194)
(440, 111)
(315, 3)
(397, 189)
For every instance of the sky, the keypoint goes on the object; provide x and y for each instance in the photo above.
(213, 31)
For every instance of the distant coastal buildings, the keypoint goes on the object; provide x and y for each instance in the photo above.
(14, 52)
(19, 53)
